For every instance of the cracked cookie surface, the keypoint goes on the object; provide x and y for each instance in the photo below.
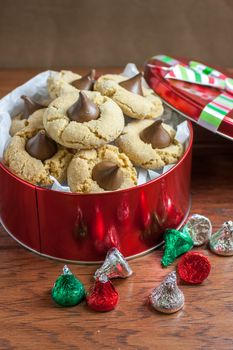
(143, 154)
(135, 106)
(79, 173)
(34, 121)
(86, 135)
(31, 169)
(59, 83)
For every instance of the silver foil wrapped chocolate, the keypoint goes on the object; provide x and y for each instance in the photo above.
(114, 266)
(167, 297)
(221, 242)
(200, 229)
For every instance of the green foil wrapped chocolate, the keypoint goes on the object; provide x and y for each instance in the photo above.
(67, 289)
(176, 243)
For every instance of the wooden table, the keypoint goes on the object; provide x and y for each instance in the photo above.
(30, 320)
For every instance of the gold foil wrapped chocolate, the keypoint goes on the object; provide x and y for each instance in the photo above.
(167, 297)
(221, 242)
(114, 266)
(200, 229)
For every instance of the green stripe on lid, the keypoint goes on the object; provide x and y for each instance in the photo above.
(197, 77)
(210, 119)
(183, 73)
(217, 109)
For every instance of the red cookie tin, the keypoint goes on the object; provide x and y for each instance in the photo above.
(82, 227)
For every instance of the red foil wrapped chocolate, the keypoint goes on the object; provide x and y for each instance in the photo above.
(194, 267)
(103, 296)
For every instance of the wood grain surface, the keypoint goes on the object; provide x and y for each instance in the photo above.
(30, 320)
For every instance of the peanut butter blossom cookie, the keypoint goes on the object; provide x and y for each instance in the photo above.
(66, 82)
(134, 100)
(83, 120)
(32, 115)
(104, 169)
(150, 144)
(33, 156)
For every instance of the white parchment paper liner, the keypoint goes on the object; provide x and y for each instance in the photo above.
(36, 88)
(12, 104)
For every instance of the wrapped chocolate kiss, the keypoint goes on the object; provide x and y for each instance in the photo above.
(194, 267)
(103, 296)
(114, 266)
(176, 243)
(221, 242)
(200, 229)
(67, 289)
(167, 297)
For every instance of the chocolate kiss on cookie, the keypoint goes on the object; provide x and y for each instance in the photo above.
(133, 84)
(30, 106)
(41, 146)
(86, 82)
(83, 110)
(108, 175)
(156, 135)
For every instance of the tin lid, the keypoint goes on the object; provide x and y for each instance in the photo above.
(190, 99)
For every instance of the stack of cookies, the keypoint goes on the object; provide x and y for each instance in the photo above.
(81, 137)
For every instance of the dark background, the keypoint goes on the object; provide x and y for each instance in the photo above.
(69, 33)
